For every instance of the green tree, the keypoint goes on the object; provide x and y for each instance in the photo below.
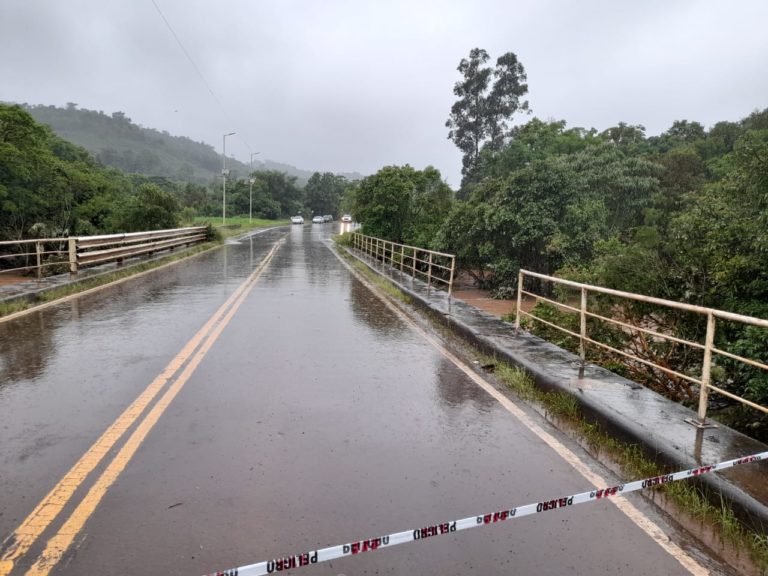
(151, 208)
(467, 232)
(275, 195)
(45, 181)
(382, 202)
(479, 117)
(401, 204)
(625, 135)
(430, 202)
(534, 140)
(323, 193)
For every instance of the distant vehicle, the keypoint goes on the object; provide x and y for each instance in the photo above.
(317, 220)
(327, 218)
(297, 220)
(346, 218)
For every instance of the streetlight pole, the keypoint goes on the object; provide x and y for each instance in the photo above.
(251, 180)
(224, 173)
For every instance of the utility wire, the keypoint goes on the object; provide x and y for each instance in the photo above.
(199, 73)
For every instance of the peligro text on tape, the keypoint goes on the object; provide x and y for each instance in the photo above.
(352, 548)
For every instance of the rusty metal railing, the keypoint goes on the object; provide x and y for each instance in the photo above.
(704, 381)
(37, 254)
(76, 252)
(433, 267)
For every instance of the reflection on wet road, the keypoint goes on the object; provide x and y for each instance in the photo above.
(317, 417)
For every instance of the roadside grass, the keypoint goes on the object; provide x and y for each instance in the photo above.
(684, 498)
(382, 283)
(12, 307)
(344, 239)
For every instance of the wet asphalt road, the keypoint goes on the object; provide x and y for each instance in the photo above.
(318, 417)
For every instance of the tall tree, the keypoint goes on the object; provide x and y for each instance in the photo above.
(323, 193)
(479, 117)
(151, 208)
(401, 204)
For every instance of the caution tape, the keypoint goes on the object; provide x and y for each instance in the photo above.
(352, 548)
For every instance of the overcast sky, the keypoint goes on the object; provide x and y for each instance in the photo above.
(337, 85)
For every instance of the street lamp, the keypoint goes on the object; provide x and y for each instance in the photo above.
(224, 173)
(251, 180)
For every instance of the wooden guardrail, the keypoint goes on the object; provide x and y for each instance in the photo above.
(77, 252)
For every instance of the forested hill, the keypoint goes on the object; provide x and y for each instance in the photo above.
(116, 141)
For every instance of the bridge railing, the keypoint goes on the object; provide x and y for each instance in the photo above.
(77, 252)
(37, 254)
(703, 380)
(435, 268)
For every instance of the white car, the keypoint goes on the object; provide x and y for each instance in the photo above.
(297, 220)
(346, 218)
(317, 220)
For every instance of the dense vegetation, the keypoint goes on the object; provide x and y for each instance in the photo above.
(49, 187)
(682, 215)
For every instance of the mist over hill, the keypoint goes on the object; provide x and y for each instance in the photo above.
(114, 140)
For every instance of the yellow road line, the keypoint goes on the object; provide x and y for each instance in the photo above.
(624, 505)
(59, 543)
(50, 506)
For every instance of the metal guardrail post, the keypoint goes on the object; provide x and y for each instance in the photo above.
(583, 327)
(39, 259)
(402, 257)
(72, 255)
(583, 332)
(450, 280)
(429, 274)
(519, 300)
(706, 369)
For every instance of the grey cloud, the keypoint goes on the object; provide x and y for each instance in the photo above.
(342, 85)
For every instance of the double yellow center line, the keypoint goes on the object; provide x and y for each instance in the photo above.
(190, 356)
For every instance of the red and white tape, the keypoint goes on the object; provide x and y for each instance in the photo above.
(352, 548)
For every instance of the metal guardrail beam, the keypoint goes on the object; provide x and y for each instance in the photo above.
(88, 250)
(708, 347)
(80, 251)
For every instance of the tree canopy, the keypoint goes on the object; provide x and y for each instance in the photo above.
(487, 99)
